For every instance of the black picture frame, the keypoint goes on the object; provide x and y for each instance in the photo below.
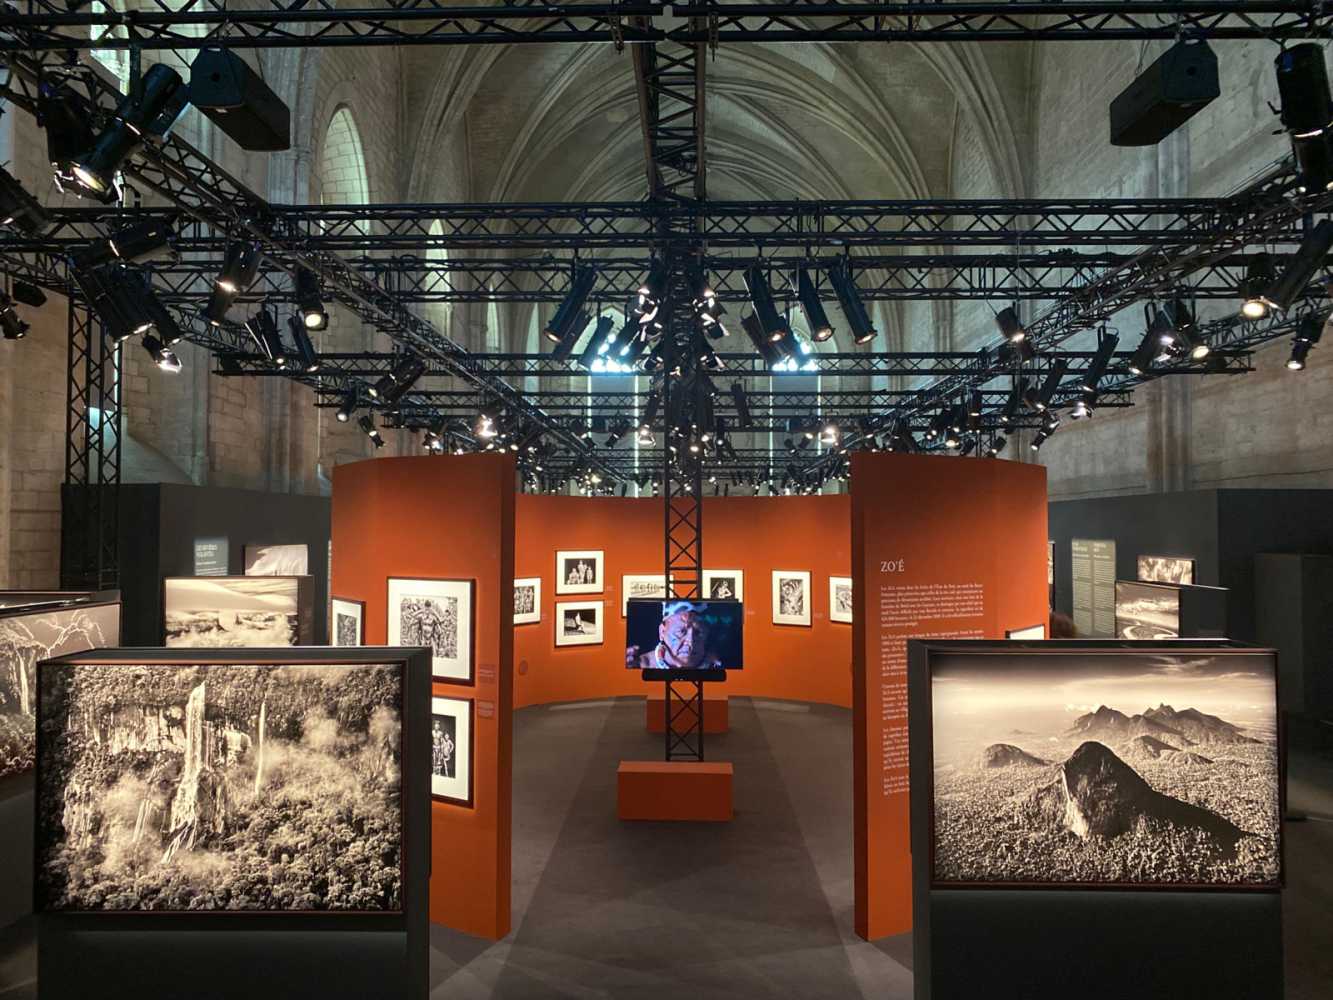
(361, 622)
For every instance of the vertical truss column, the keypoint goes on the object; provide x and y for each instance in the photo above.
(670, 83)
(90, 508)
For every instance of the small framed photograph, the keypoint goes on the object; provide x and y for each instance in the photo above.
(724, 584)
(436, 614)
(277, 560)
(528, 600)
(579, 572)
(578, 623)
(451, 750)
(649, 586)
(347, 622)
(840, 599)
(791, 597)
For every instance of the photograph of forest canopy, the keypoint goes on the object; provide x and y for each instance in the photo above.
(1110, 769)
(24, 640)
(184, 787)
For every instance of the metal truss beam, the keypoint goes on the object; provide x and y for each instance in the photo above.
(38, 25)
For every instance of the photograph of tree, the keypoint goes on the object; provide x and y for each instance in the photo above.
(1106, 769)
(232, 611)
(791, 597)
(436, 614)
(24, 640)
(185, 787)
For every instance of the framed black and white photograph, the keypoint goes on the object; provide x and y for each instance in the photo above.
(451, 750)
(1166, 569)
(579, 572)
(1105, 768)
(528, 600)
(724, 584)
(347, 622)
(174, 787)
(578, 623)
(436, 614)
(840, 598)
(26, 638)
(277, 560)
(236, 611)
(642, 586)
(791, 597)
(1146, 610)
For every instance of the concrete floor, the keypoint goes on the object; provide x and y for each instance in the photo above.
(759, 907)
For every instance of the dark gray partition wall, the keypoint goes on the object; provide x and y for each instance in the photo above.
(1294, 610)
(160, 523)
(1014, 942)
(1223, 530)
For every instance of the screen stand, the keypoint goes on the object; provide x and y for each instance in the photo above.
(684, 707)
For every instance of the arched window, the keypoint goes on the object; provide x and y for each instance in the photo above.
(439, 279)
(342, 163)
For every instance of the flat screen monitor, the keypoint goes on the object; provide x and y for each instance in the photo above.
(680, 634)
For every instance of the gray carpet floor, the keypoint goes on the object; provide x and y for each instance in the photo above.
(759, 907)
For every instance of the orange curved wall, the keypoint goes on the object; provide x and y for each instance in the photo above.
(754, 534)
(447, 517)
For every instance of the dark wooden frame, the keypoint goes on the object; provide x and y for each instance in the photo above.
(361, 622)
(919, 656)
(471, 680)
(470, 801)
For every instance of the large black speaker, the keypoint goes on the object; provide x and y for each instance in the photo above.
(224, 87)
(1165, 95)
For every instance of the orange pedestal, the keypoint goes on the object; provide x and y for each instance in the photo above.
(679, 790)
(715, 715)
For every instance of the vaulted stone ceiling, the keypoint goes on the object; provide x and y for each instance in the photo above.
(560, 122)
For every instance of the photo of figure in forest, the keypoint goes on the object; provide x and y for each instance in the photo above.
(232, 612)
(348, 629)
(432, 622)
(443, 743)
(24, 640)
(792, 591)
(1106, 769)
(184, 787)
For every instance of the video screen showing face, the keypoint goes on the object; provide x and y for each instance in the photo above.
(683, 634)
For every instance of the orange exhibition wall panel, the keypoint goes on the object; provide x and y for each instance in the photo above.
(753, 534)
(941, 547)
(447, 518)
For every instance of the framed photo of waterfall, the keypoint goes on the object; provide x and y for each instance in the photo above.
(200, 782)
(1145, 765)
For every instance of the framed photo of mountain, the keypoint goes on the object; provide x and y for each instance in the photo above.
(1097, 765)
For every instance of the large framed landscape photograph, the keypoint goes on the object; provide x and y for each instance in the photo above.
(237, 611)
(1166, 569)
(176, 784)
(437, 614)
(1148, 768)
(26, 638)
(277, 560)
(1146, 610)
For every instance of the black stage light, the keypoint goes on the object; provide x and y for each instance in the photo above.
(742, 406)
(1039, 439)
(1106, 346)
(708, 309)
(368, 426)
(160, 100)
(348, 405)
(1302, 84)
(1308, 332)
(816, 320)
(652, 291)
(1179, 83)
(145, 308)
(20, 209)
(11, 326)
(306, 357)
(1150, 347)
(574, 328)
(1300, 267)
(938, 424)
(309, 300)
(263, 330)
(997, 445)
(571, 308)
(1015, 400)
(631, 341)
(974, 403)
(1010, 325)
(863, 330)
(240, 267)
(1052, 383)
(598, 344)
(1314, 163)
(144, 241)
(395, 384)
(1258, 276)
(650, 408)
(61, 114)
(755, 331)
(238, 101)
(772, 324)
(29, 295)
(1083, 406)
(163, 356)
(93, 283)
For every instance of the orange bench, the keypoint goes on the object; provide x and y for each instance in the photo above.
(676, 790)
